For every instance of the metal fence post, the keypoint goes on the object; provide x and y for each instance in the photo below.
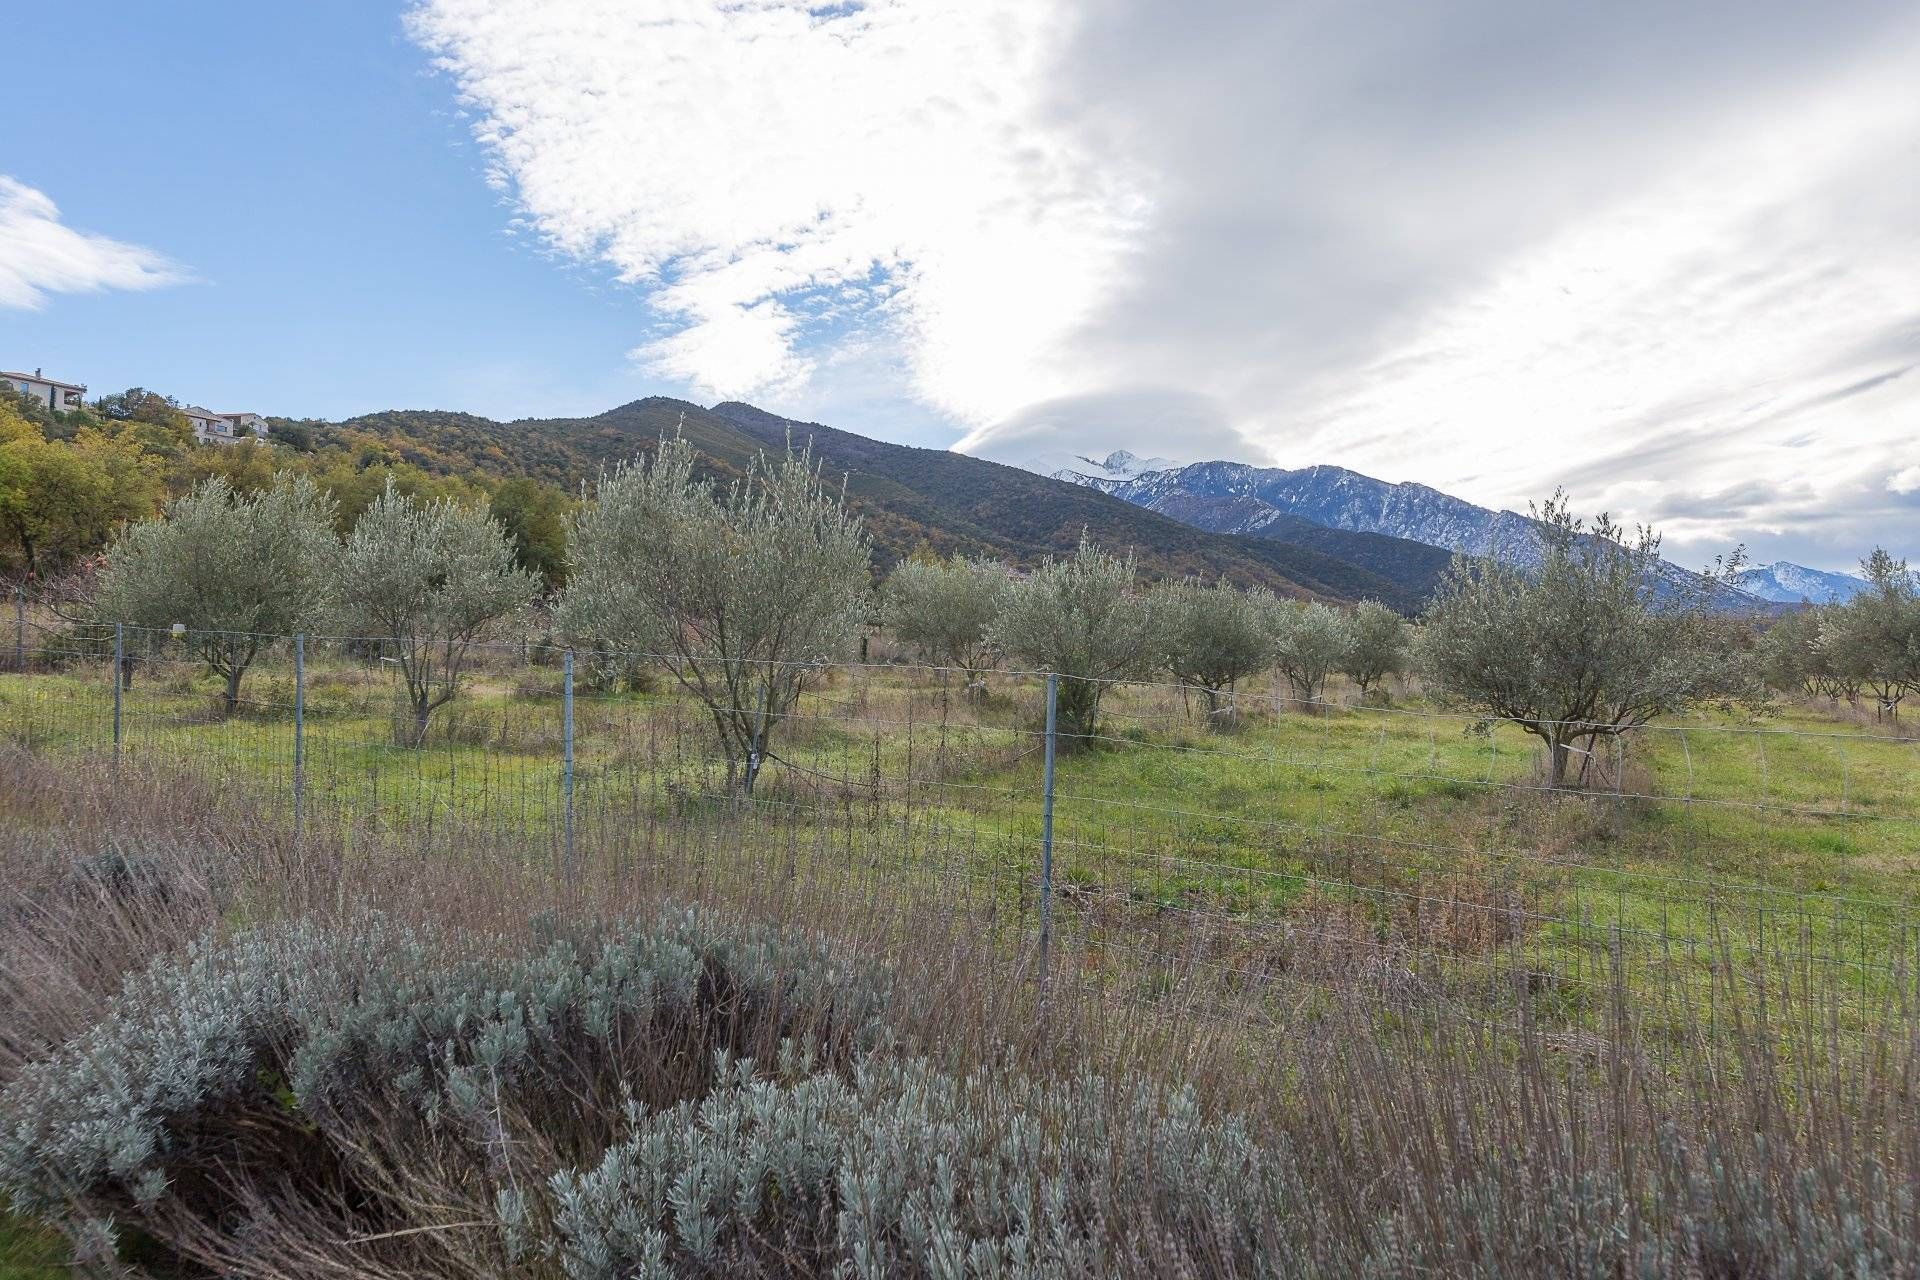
(566, 768)
(299, 734)
(119, 677)
(19, 628)
(1046, 832)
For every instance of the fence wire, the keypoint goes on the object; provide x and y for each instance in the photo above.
(1405, 844)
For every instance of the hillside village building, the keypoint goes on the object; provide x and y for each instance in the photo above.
(224, 428)
(208, 427)
(50, 392)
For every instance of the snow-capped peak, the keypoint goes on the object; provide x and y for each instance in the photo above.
(1121, 464)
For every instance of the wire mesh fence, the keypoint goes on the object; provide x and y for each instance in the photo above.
(1402, 844)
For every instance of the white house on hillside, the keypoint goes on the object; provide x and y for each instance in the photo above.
(50, 392)
(224, 428)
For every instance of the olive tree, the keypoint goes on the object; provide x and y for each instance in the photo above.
(744, 591)
(1310, 640)
(1085, 619)
(945, 609)
(1791, 657)
(1586, 644)
(430, 579)
(1875, 637)
(236, 570)
(1215, 636)
(1378, 645)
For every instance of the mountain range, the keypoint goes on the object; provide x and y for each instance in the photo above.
(1234, 497)
(912, 499)
(1317, 532)
(1785, 583)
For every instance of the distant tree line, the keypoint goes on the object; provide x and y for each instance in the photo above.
(1867, 645)
(747, 592)
(70, 480)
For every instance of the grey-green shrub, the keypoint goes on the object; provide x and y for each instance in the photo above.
(1086, 618)
(290, 1049)
(1311, 640)
(685, 1098)
(427, 581)
(743, 592)
(1215, 636)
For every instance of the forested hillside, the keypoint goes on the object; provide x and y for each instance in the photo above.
(912, 498)
(529, 473)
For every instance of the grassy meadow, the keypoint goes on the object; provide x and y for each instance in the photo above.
(1367, 933)
(1396, 835)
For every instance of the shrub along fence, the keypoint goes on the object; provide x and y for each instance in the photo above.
(1415, 849)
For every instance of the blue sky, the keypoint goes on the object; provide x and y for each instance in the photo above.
(310, 173)
(1667, 255)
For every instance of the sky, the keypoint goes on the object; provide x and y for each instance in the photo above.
(1665, 255)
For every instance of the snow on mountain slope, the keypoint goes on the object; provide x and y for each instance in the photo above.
(1077, 468)
(1234, 497)
(1340, 499)
(1785, 583)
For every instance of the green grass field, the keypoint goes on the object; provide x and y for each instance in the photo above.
(1782, 848)
(30, 1253)
(1791, 840)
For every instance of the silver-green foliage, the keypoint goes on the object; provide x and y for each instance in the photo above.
(946, 609)
(335, 1035)
(1793, 659)
(1216, 636)
(897, 1171)
(1379, 644)
(1874, 638)
(1085, 618)
(235, 569)
(393, 1102)
(1583, 645)
(744, 592)
(1310, 642)
(427, 581)
(904, 1170)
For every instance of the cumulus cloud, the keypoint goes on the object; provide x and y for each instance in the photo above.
(1905, 481)
(40, 255)
(1655, 252)
(768, 169)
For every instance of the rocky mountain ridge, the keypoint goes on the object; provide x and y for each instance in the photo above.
(1238, 497)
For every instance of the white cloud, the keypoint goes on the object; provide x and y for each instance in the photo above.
(903, 159)
(40, 255)
(1745, 317)
(1905, 481)
(1637, 248)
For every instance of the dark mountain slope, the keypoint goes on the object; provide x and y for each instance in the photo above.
(944, 501)
(1009, 509)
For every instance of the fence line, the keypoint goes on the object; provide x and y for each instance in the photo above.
(1309, 831)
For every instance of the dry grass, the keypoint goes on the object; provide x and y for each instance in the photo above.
(1731, 1131)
